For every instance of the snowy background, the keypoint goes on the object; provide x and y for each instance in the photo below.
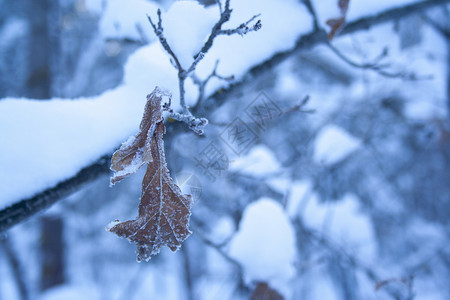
(344, 197)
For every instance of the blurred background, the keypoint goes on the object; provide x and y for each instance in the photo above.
(345, 149)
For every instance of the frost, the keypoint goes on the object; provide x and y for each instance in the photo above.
(333, 144)
(164, 211)
(135, 152)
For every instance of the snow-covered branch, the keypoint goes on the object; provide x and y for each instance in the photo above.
(26, 208)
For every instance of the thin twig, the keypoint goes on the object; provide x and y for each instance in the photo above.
(159, 31)
(313, 13)
(196, 123)
(202, 84)
(243, 28)
(198, 232)
(16, 267)
(377, 67)
(436, 26)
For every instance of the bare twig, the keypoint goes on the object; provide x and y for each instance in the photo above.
(159, 31)
(377, 67)
(219, 248)
(300, 107)
(243, 28)
(202, 84)
(313, 13)
(196, 123)
(16, 267)
(225, 15)
(438, 27)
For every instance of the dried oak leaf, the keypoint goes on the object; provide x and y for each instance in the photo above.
(263, 291)
(164, 212)
(135, 152)
(336, 24)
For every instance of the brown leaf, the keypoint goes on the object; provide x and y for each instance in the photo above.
(336, 24)
(135, 152)
(264, 292)
(164, 212)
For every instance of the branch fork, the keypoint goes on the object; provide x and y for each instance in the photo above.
(196, 123)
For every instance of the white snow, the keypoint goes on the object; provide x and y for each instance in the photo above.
(259, 162)
(44, 142)
(343, 222)
(279, 183)
(127, 19)
(265, 244)
(282, 23)
(333, 144)
(187, 25)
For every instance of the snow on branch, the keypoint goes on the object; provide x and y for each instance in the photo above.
(26, 208)
(22, 210)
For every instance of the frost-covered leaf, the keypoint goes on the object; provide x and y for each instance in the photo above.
(135, 152)
(336, 24)
(164, 211)
(264, 292)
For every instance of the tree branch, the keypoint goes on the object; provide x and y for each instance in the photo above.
(187, 117)
(24, 209)
(16, 267)
(377, 67)
(20, 211)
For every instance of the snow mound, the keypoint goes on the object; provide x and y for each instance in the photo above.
(333, 144)
(344, 222)
(260, 161)
(265, 244)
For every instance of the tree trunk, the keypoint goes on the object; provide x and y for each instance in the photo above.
(52, 252)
